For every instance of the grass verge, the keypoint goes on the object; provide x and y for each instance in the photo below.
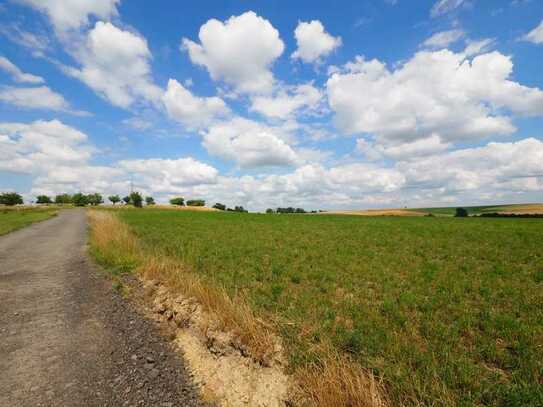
(16, 218)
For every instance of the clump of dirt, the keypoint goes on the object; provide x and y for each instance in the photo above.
(220, 363)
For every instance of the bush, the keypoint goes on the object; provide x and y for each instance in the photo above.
(43, 199)
(79, 199)
(63, 199)
(461, 213)
(149, 200)
(10, 199)
(114, 199)
(196, 202)
(177, 201)
(270, 210)
(219, 206)
(126, 200)
(136, 199)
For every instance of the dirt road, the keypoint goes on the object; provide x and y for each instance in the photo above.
(67, 338)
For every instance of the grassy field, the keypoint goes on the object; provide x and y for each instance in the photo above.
(446, 311)
(16, 218)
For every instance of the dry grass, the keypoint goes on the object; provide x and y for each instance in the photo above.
(334, 381)
(337, 381)
(113, 244)
(522, 209)
(377, 212)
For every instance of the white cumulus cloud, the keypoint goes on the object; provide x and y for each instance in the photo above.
(239, 51)
(313, 41)
(287, 102)
(249, 144)
(116, 64)
(73, 14)
(435, 93)
(191, 110)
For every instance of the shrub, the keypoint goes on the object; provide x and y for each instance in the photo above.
(177, 201)
(196, 202)
(43, 199)
(126, 200)
(10, 199)
(79, 199)
(149, 200)
(136, 199)
(461, 213)
(270, 210)
(219, 206)
(114, 199)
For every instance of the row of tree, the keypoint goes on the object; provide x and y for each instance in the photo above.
(179, 201)
(290, 209)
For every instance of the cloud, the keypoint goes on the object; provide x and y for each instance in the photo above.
(313, 42)
(287, 102)
(192, 111)
(239, 51)
(487, 170)
(442, 7)
(73, 14)
(438, 93)
(17, 74)
(402, 151)
(443, 39)
(249, 144)
(41, 146)
(37, 44)
(536, 35)
(168, 176)
(115, 64)
(34, 98)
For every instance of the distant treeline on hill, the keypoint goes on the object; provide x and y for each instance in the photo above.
(290, 209)
(511, 215)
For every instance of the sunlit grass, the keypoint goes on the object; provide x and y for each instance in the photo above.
(446, 311)
(15, 218)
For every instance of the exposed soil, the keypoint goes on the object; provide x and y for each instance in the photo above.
(67, 338)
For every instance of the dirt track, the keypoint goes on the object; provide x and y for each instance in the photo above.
(67, 338)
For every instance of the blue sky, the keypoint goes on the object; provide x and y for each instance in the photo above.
(344, 104)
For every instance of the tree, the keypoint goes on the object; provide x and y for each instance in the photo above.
(149, 200)
(94, 199)
(126, 200)
(63, 199)
(43, 199)
(196, 202)
(114, 199)
(461, 213)
(79, 199)
(136, 199)
(177, 201)
(11, 198)
(239, 209)
(219, 206)
(270, 210)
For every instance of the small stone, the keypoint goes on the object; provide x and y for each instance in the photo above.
(154, 373)
(150, 359)
(134, 357)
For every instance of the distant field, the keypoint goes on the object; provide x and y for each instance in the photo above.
(477, 210)
(16, 218)
(447, 311)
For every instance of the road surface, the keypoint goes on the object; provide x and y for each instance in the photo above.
(67, 338)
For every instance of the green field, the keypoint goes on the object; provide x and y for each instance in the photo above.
(16, 218)
(447, 311)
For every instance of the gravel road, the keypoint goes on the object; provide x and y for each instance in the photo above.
(67, 338)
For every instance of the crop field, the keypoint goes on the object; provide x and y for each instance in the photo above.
(16, 218)
(478, 210)
(445, 311)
